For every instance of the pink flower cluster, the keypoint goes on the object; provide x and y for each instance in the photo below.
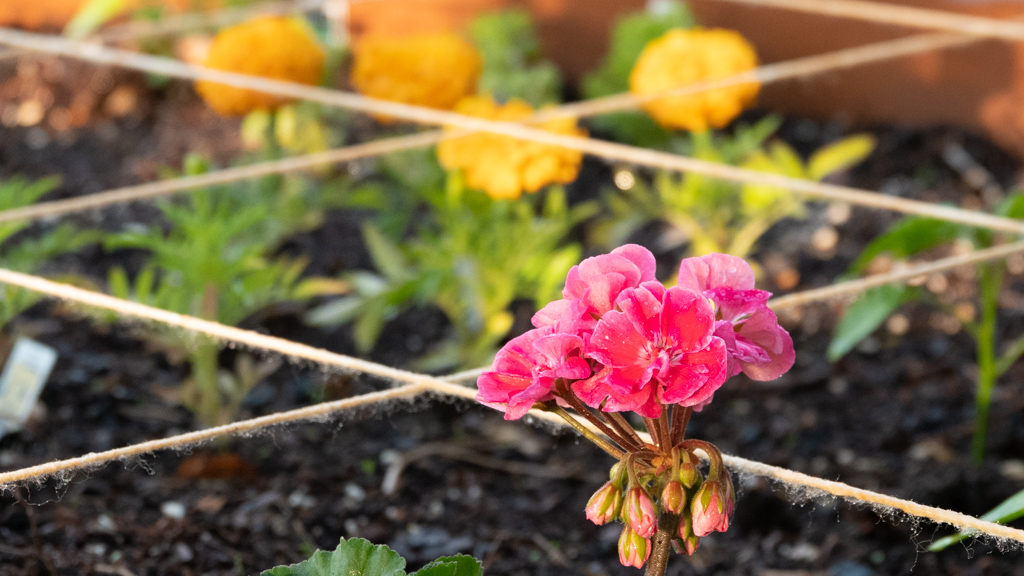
(624, 342)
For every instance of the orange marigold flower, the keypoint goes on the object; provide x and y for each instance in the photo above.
(502, 166)
(274, 47)
(432, 70)
(682, 57)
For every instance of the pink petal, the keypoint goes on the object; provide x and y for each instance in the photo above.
(641, 257)
(763, 330)
(551, 313)
(497, 388)
(714, 270)
(608, 264)
(643, 309)
(725, 330)
(696, 376)
(687, 320)
(629, 379)
(735, 304)
(616, 342)
(602, 291)
(520, 404)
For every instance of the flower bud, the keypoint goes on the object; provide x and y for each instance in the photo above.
(604, 504)
(712, 506)
(638, 512)
(689, 474)
(689, 540)
(618, 474)
(634, 549)
(672, 497)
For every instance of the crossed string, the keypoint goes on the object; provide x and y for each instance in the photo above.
(417, 384)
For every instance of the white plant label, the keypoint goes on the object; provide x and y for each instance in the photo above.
(22, 380)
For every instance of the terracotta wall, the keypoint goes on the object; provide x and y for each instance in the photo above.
(977, 87)
(980, 87)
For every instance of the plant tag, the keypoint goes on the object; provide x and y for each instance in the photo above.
(22, 380)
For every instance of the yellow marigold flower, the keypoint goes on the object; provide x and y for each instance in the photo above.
(504, 167)
(682, 57)
(432, 70)
(274, 47)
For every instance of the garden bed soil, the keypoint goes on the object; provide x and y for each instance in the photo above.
(894, 416)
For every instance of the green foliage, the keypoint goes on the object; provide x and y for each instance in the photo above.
(910, 237)
(28, 254)
(1007, 511)
(92, 15)
(213, 262)
(719, 216)
(472, 257)
(358, 557)
(631, 34)
(514, 64)
(866, 314)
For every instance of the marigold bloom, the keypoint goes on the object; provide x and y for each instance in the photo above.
(757, 345)
(660, 349)
(526, 368)
(505, 167)
(432, 70)
(683, 57)
(274, 47)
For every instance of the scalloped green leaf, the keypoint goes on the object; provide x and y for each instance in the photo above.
(458, 565)
(352, 557)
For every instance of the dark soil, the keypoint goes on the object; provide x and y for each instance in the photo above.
(894, 416)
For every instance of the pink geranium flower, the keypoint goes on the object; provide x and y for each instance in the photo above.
(525, 370)
(757, 345)
(657, 348)
(598, 281)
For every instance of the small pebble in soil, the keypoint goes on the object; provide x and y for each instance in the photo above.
(838, 386)
(173, 510)
(837, 213)
(898, 324)
(1012, 470)
(847, 568)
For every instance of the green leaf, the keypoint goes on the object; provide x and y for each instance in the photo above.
(386, 255)
(1008, 511)
(459, 565)
(840, 155)
(864, 315)
(629, 38)
(907, 238)
(352, 557)
(91, 16)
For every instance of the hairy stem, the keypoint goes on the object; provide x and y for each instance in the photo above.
(566, 394)
(663, 432)
(714, 455)
(653, 430)
(626, 428)
(661, 544)
(588, 434)
(680, 418)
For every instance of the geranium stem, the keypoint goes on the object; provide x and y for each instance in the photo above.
(680, 418)
(568, 395)
(623, 426)
(661, 544)
(588, 434)
(653, 430)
